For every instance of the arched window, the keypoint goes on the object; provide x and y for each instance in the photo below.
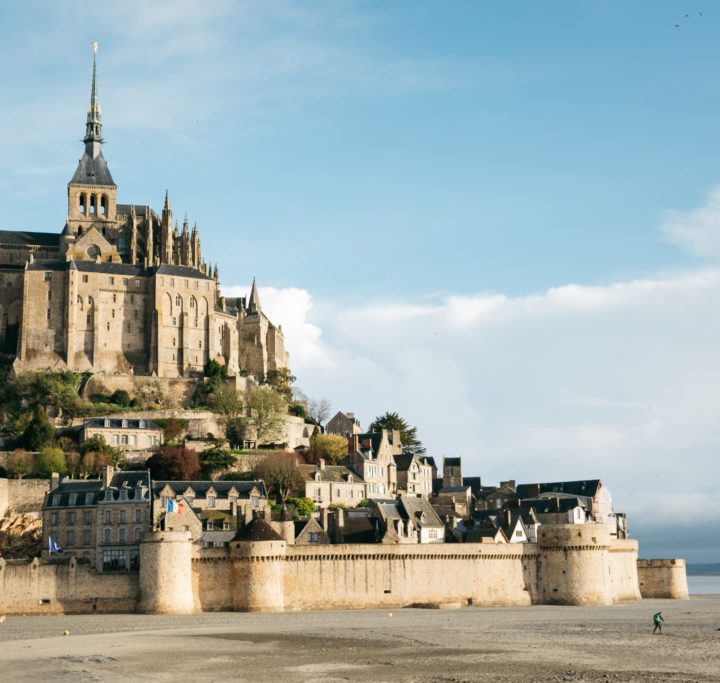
(178, 300)
(103, 205)
(93, 205)
(82, 204)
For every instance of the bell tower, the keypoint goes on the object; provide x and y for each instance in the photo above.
(92, 193)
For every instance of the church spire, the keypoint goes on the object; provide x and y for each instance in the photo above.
(93, 128)
(254, 300)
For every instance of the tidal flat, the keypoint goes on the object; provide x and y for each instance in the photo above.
(541, 643)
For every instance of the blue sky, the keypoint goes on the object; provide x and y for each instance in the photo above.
(500, 219)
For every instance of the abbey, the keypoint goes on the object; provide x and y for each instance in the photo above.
(123, 290)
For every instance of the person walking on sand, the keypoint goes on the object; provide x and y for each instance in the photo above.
(658, 621)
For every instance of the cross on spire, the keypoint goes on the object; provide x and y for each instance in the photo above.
(93, 127)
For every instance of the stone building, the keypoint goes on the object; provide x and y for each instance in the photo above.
(414, 474)
(344, 424)
(239, 499)
(372, 458)
(100, 520)
(124, 433)
(331, 485)
(122, 290)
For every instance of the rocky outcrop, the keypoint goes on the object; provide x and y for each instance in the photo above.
(20, 536)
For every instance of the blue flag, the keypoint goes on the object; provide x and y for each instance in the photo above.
(53, 547)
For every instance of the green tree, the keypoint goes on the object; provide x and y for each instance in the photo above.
(281, 381)
(266, 411)
(39, 432)
(304, 506)
(96, 444)
(332, 447)
(408, 434)
(121, 398)
(50, 460)
(20, 463)
(215, 460)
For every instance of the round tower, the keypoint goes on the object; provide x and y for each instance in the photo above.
(166, 573)
(573, 566)
(258, 559)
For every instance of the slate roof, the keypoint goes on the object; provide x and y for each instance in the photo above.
(337, 473)
(258, 530)
(419, 508)
(404, 461)
(474, 483)
(588, 487)
(201, 487)
(550, 505)
(181, 271)
(452, 462)
(21, 237)
(359, 530)
(454, 489)
(81, 489)
(117, 423)
(92, 267)
(121, 481)
(140, 209)
(92, 171)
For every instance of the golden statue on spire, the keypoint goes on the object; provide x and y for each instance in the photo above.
(94, 47)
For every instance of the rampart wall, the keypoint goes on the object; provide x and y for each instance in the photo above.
(570, 565)
(54, 588)
(22, 495)
(662, 579)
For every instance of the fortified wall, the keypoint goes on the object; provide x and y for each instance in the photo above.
(21, 495)
(570, 565)
(663, 579)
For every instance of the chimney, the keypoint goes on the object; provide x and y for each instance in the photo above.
(107, 475)
(324, 516)
(54, 480)
(354, 444)
(350, 415)
(268, 514)
(321, 463)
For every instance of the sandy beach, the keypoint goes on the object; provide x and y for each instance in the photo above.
(540, 643)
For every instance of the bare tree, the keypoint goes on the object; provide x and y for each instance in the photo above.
(266, 411)
(280, 473)
(318, 410)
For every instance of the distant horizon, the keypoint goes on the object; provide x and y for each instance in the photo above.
(501, 222)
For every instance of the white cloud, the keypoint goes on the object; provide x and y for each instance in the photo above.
(620, 382)
(697, 230)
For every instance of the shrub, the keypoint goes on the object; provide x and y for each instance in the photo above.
(96, 444)
(39, 432)
(304, 506)
(20, 463)
(121, 397)
(333, 447)
(50, 460)
(175, 463)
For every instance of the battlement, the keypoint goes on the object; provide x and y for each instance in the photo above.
(663, 579)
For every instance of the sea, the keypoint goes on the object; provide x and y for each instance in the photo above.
(704, 585)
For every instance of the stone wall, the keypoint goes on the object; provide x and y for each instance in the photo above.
(22, 495)
(357, 577)
(175, 392)
(69, 587)
(663, 579)
(178, 576)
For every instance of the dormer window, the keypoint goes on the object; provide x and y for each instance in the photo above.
(124, 424)
(211, 501)
(107, 423)
(141, 424)
(72, 498)
(56, 500)
(88, 498)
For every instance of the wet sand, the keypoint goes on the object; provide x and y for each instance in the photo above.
(540, 643)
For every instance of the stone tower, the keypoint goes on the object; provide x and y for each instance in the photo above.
(92, 193)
